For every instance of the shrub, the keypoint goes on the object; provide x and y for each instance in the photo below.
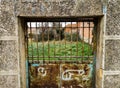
(44, 37)
(72, 37)
(51, 35)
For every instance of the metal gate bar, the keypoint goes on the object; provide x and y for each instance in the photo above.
(47, 40)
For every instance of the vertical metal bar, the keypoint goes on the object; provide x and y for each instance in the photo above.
(71, 40)
(48, 43)
(39, 40)
(94, 50)
(77, 42)
(89, 36)
(43, 29)
(37, 43)
(54, 39)
(59, 40)
(65, 39)
(32, 53)
(31, 35)
(60, 84)
(25, 40)
(83, 43)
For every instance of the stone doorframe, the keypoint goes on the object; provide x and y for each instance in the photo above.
(99, 54)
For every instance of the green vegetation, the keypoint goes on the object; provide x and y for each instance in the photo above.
(59, 49)
(74, 37)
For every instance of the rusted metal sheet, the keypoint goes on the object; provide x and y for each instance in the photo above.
(61, 76)
(45, 76)
(76, 75)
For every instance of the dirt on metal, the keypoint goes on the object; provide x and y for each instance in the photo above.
(61, 76)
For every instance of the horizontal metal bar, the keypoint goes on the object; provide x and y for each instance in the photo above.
(61, 57)
(64, 27)
(59, 19)
(60, 61)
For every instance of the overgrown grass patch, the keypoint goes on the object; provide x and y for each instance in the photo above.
(59, 49)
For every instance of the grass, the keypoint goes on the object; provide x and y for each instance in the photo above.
(59, 48)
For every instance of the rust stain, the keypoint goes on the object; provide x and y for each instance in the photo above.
(77, 76)
(61, 76)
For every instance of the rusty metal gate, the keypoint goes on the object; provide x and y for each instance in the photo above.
(60, 53)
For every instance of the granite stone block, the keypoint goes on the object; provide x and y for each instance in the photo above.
(112, 81)
(8, 81)
(113, 15)
(8, 56)
(7, 18)
(112, 55)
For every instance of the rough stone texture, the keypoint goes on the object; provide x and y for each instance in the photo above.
(88, 8)
(46, 8)
(112, 81)
(112, 55)
(59, 8)
(8, 56)
(7, 18)
(8, 82)
(113, 15)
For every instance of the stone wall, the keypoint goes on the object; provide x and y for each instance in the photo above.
(10, 56)
(9, 65)
(112, 46)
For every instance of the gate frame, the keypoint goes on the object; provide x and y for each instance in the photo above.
(99, 53)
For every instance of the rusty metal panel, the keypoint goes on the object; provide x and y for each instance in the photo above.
(61, 76)
(76, 75)
(45, 76)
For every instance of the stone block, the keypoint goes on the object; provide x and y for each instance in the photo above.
(67, 7)
(88, 8)
(8, 81)
(112, 81)
(7, 18)
(60, 8)
(8, 56)
(113, 15)
(42, 8)
(112, 55)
